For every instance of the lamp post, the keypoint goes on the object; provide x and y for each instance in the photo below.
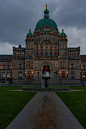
(60, 77)
(83, 80)
(38, 74)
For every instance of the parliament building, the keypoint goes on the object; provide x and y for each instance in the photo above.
(45, 48)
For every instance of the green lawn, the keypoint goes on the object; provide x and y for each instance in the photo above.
(11, 103)
(76, 102)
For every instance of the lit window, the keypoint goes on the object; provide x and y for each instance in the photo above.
(8, 75)
(20, 74)
(84, 74)
(3, 74)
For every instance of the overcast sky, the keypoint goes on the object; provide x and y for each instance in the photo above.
(18, 16)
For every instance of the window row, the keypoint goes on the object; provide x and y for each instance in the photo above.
(73, 54)
(46, 53)
(3, 74)
(83, 66)
(19, 54)
(63, 46)
(6, 66)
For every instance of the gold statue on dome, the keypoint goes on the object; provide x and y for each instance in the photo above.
(46, 6)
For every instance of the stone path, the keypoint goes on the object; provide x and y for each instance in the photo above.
(45, 111)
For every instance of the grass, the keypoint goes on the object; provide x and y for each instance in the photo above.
(76, 102)
(11, 103)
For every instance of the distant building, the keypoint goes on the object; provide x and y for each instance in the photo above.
(45, 49)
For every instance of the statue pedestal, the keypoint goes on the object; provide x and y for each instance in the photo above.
(46, 76)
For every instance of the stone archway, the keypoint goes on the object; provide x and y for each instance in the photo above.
(46, 68)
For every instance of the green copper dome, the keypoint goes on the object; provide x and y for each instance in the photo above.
(46, 21)
(63, 34)
(29, 34)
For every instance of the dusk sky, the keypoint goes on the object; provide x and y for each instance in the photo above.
(18, 16)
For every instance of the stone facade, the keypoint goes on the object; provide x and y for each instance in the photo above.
(46, 47)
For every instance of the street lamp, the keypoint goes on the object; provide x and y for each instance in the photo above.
(60, 77)
(83, 80)
(67, 74)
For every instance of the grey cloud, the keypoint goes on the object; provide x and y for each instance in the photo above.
(18, 16)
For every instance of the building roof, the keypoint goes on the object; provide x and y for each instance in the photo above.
(83, 56)
(5, 56)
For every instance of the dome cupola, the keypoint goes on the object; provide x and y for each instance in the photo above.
(46, 12)
(30, 34)
(63, 34)
(46, 21)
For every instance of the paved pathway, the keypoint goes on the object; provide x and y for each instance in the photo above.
(45, 111)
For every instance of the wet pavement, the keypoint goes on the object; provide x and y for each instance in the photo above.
(45, 111)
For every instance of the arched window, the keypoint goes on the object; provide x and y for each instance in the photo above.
(36, 53)
(72, 65)
(63, 64)
(41, 53)
(29, 54)
(29, 65)
(75, 54)
(56, 64)
(22, 54)
(80, 66)
(0, 66)
(8, 66)
(3, 66)
(55, 53)
(20, 74)
(63, 53)
(36, 64)
(70, 54)
(50, 53)
(17, 54)
(11, 66)
(84, 66)
(46, 53)
(20, 65)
